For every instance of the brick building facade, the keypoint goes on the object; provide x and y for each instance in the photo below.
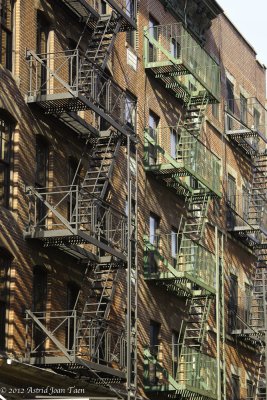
(132, 202)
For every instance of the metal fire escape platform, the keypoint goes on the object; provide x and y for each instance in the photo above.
(81, 8)
(99, 224)
(191, 159)
(53, 341)
(196, 380)
(91, 89)
(190, 272)
(180, 63)
(245, 125)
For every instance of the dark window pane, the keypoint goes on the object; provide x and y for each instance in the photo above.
(5, 159)
(5, 263)
(6, 18)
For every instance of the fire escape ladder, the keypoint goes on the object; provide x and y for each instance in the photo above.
(258, 319)
(195, 114)
(258, 190)
(198, 205)
(97, 177)
(193, 331)
(194, 328)
(94, 318)
(103, 39)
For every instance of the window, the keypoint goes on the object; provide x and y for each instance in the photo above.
(5, 264)
(154, 331)
(245, 202)
(154, 222)
(153, 132)
(247, 303)
(175, 48)
(41, 173)
(250, 390)
(42, 50)
(215, 110)
(130, 11)
(39, 304)
(235, 387)
(39, 289)
(174, 139)
(256, 119)
(74, 178)
(130, 114)
(6, 25)
(41, 167)
(153, 31)
(174, 245)
(6, 128)
(175, 353)
(103, 7)
(231, 191)
(233, 301)
(230, 103)
(243, 109)
(72, 45)
(72, 299)
(230, 95)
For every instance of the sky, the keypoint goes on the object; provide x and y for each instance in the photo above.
(250, 18)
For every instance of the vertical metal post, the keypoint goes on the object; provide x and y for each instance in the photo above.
(223, 318)
(218, 314)
(131, 317)
(75, 345)
(77, 206)
(265, 323)
(129, 270)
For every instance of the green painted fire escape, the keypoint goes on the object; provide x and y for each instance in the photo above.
(176, 155)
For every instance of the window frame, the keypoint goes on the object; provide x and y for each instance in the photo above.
(8, 32)
(5, 268)
(6, 146)
(231, 187)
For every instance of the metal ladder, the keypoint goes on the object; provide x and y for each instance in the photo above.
(194, 114)
(98, 174)
(198, 205)
(193, 331)
(257, 322)
(102, 40)
(94, 317)
(259, 189)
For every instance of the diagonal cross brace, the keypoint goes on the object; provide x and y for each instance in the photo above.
(49, 335)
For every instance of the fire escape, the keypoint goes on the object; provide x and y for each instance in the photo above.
(180, 262)
(78, 219)
(245, 122)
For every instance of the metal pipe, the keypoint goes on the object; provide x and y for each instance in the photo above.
(218, 312)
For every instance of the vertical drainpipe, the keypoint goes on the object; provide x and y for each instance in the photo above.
(218, 312)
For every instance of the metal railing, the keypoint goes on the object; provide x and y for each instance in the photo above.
(75, 209)
(246, 312)
(68, 74)
(174, 252)
(187, 369)
(172, 45)
(66, 333)
(174, 148)
(247, 117)
(247, 211)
